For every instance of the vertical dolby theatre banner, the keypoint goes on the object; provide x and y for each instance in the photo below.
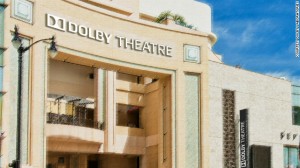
(244, 149)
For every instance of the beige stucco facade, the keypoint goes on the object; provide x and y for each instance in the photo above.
(124, 91)
(160, 95)
(268, 100)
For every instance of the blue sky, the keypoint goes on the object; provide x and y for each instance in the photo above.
(259, 35)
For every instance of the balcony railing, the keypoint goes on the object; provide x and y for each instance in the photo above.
(71, 110)
(53, 118)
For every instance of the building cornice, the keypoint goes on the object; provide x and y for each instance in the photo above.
(135, 20)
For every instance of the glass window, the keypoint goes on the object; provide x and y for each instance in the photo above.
(128, 116)
(261, 156)
(1, 78)
(1, 56)
(291, 159)
(296, 104)
(1, 25)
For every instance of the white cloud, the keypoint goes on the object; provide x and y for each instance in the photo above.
(279, 7)
(250, 33)
(294, 79)
(291, 48)
(243, 32)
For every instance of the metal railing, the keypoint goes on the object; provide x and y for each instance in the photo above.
(53, 118)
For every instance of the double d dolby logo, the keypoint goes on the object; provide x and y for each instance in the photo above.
(62, 24)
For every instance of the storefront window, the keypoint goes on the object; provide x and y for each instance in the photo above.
(291, 159)
(128, 116)
(261, 156)
(296, 104)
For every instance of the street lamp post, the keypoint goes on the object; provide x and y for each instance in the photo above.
(17, 43)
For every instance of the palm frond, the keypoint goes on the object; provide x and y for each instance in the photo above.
(163, 16)
(179, 19)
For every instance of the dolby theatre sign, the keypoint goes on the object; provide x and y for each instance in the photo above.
(63, 25)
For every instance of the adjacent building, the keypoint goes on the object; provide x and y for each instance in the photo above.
(126, 92)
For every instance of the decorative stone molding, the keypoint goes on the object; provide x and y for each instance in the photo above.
(22, 10)
(192, 53)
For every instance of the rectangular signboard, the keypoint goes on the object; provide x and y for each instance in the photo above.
(244, 149)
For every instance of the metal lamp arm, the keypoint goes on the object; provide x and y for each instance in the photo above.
(27, 48)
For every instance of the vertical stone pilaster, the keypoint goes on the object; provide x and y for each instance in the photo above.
(25, 105)
(180, 121)
(1, 63)
(173, 120)
(101, 95)
(192, 112)
(37, 123)
(109, 132)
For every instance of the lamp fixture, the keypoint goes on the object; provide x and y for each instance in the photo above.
(52, 49)
(17, 43)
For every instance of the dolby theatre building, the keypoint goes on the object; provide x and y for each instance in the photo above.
(126, 92)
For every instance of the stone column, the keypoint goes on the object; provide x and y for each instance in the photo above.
(100, 83)
(110, 108)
